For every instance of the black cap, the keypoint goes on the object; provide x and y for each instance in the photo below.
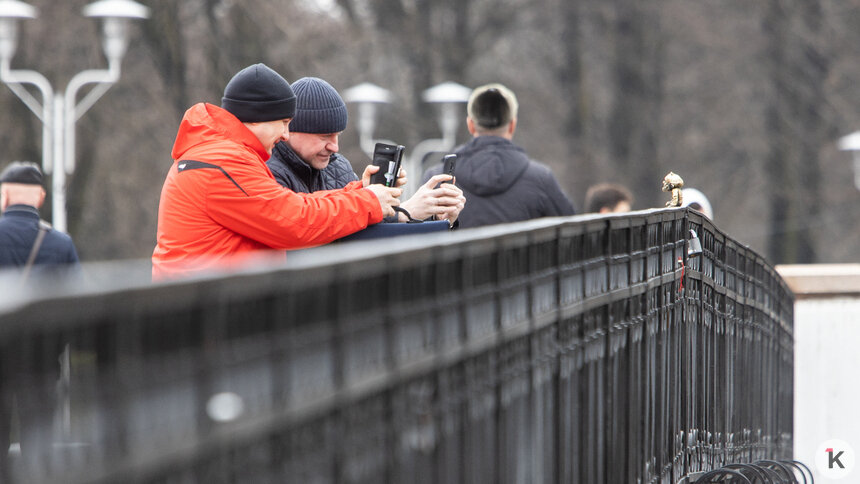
(23, 172)
(257, 94)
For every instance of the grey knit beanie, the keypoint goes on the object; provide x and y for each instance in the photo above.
(257, 94)
(319, 108)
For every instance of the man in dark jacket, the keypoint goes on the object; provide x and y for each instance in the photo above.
(498, 179)
(309, 161)
(25, 242)
(21, 195)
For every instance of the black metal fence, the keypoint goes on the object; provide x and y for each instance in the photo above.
(578, 350)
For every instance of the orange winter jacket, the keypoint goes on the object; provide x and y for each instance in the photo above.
(220, 203)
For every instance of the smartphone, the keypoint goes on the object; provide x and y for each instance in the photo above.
(388, 158)
(448, 164)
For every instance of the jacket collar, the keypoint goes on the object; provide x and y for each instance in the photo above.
(304, 172)
(22, 211)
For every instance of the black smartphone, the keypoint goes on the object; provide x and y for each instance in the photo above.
(388, 158)
(448, 164)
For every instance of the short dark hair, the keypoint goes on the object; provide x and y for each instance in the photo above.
(492, 106)
(607, 195)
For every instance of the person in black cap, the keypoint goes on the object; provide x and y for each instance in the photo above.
(499, 180)
(26, 241)
(220, 204)
(310, 160)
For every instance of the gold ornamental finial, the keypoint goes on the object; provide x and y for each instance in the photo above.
(673, 183)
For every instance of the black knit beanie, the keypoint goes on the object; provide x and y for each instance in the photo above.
(22, 172)
(319, 108)
(257, 94)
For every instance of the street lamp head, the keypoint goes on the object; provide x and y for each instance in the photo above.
(447, 92)
(10, 12)
(116, 8)
(116, 14)
(851, 143)
(368, 97)
(15, 9)
(367, 93)
(448, 96)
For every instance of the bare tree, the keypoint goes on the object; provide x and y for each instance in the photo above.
(795, 126)
(637, 111)
(744, 100)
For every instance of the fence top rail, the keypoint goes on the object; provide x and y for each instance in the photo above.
(107, 284)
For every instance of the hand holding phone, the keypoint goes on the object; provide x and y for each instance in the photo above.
(388, 158)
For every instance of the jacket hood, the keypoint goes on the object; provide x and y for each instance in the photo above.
(491, 164)
(204, 124)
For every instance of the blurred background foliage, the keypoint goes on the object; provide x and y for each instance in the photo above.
(745, 100)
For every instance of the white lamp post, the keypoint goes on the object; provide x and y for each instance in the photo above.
(368, 97)
(449, 96)
(59, 111)
(851, 143)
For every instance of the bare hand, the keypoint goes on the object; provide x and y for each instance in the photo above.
(365, 177)
(388, 197)
(401, 177)
(371, 169)
(445, 202)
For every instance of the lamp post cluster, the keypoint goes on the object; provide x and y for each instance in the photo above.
(448, 97)
(59, 111)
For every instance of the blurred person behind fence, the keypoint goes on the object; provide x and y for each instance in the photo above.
(499, 181)
(608, 198)
(310, 160)
(221, 206)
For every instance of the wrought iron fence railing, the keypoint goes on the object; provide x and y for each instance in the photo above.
(580, 350)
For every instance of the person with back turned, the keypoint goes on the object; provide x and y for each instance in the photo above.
(27, 242)
(27, 375)
(497, 177)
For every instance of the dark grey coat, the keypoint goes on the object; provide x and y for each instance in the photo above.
(501, 184)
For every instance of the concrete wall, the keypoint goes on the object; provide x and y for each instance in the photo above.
(826, 368)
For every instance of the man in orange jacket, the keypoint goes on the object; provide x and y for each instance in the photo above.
(221, 205)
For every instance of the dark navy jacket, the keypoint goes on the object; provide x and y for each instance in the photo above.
(19, 226)
(501, 184)
(290, 171)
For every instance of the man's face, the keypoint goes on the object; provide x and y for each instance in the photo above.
(314, 149)
(270, 132)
